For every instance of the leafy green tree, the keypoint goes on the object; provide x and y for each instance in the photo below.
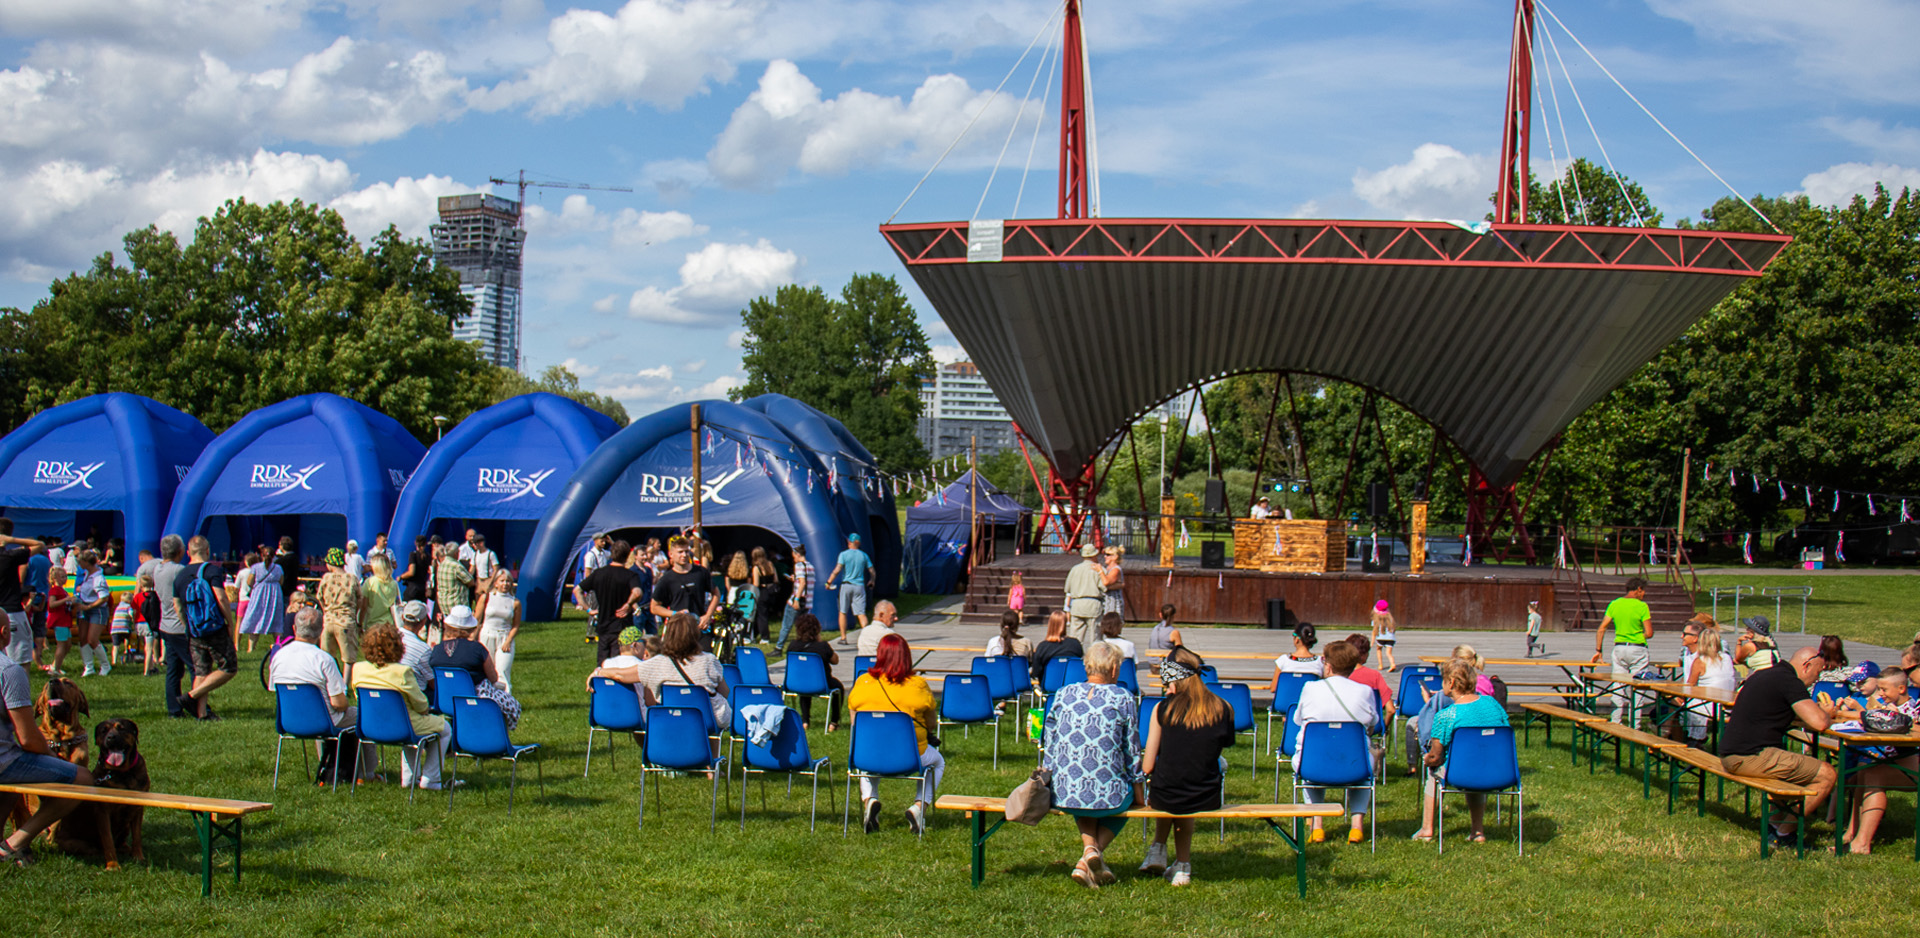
(266, 302)
(860, 358)
(1588, 194)
(509, 383)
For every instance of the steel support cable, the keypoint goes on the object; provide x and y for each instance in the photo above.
(1579, 200)
(976, 117)
(1046, 94)
(1013, 128)
(1547, 126)
(1575, 90)
(1658, 122)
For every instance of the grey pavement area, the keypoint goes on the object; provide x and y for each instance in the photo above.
(939, 625)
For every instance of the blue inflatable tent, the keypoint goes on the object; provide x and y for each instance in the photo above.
(865, 504)
(757, 480)
(937, 531)
(105, 466)
(319, 467)
(498, 471)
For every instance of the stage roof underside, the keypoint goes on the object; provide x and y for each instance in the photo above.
(1499, 339)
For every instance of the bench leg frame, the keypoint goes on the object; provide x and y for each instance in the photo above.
(212, 833)
(980, 833)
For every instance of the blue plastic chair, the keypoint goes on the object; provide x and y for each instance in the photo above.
(480, 733)
(1482, 760)
(1285, 695)
(1282, 751)
(741, 696)
(300, 711)
(884, 746)
(967, 699)
(1413, 680)
(1209, 675)
(1240, 697)
(449, 683)
(1834, 690)
(1022, 673)
(1055, 675)
(677, 742)
(1076, 671)
(1129, 676)
(686, 695)
(861, 665)
(998, 670)
(1336, 755)
(1147, 706)
(786, 753)
(807, 677)
(384, 722)
(730, 673)
(615, 708)
(752, 664)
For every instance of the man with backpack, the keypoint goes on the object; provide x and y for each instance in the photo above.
(200, 603)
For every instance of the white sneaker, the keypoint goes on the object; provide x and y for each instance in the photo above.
(105, 670)
(1180, 874)
(870, 816)
(917, 818)
(1156, 861)
(87, 671)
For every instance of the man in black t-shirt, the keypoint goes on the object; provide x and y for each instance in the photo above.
(684, 587)
(1765, 709)
(616, 593)
(212, 656)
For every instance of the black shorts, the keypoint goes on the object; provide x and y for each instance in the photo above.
(37, 621)
(1386, 643)
(213, 653)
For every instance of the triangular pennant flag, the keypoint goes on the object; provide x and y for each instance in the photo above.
(1783, 490)
(1903, 511)
(1221, 583)
(1840, 547)
(1746, 548)
(1809, 491)
(1870, 509)
(1466, 555)
(1836, 500)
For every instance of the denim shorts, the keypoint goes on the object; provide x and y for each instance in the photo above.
(853, 598)
(31, 767)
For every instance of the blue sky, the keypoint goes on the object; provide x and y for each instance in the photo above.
(766, 140)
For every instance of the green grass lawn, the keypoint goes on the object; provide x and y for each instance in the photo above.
(1600, 860)
(1877, 609)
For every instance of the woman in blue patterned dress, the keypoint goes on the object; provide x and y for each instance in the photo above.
(1093, 749)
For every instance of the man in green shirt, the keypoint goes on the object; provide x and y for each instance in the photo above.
(1632, 625)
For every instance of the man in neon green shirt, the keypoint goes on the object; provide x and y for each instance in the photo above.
(1632, 624)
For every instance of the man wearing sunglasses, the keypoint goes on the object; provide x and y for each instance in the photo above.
(1765, 709)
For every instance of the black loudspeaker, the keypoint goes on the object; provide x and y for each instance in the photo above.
(1216, 496)
(1379, 500)
(1277, 615)
(1213, 555)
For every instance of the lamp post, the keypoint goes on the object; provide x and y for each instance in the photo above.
(439, 426)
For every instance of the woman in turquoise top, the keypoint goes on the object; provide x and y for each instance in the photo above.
(1470, 709)
(1093, 749)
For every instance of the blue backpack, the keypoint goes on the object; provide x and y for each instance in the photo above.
(203, 613)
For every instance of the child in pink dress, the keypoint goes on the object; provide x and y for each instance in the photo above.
(1017, 595)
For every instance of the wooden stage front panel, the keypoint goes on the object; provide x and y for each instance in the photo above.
(1239, 597)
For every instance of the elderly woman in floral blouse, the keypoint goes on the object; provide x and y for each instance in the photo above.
(1093, 747)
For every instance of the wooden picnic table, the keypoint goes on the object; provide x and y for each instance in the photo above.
(1853, 740)
(215, 820)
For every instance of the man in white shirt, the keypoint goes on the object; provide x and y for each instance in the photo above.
(884, 616)
(414, 648)
(1338, 699)
(380, 549)
(301, 661)
(1262, 509)
(483, 562)
(466, 547)
(356, 563)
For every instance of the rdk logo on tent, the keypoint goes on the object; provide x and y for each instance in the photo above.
(66, 475)
(511, 483)
(656, 488)
(283, 478)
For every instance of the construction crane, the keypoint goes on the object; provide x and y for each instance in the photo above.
(521, 181)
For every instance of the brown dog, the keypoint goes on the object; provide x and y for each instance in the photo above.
(106, 828)
(58, 711)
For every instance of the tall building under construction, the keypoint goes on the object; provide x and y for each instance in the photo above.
(479, 236)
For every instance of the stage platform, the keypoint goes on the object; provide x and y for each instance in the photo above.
(1480, 597)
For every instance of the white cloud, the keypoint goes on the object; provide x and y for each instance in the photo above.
(242, 24)
(949, 353)
(588, 340)
(786, 125)
(1898, 142)
(1838, 184)
(649, 389)
(715, 282)
(604, 304)
(579, 368)
(658, 51)
(629, 228)
(1863, 47)
(736, 338)
(1439, 182)
(659, 373)
(410, 204)
(693, 367)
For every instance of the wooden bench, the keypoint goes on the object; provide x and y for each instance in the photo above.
(1623, 737)
(1690, 761)
(214, 819)
(978, 808)
(1550, 713)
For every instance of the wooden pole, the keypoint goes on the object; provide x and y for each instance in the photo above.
(1680, 532)
(699, 488)
(1417, 540)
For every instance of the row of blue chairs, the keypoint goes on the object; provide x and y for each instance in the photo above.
(478, 726)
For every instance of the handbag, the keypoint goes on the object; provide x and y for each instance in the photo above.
(1886, 721)
(1032, 799)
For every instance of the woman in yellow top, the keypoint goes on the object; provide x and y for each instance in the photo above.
(383, 671)
(891, 685)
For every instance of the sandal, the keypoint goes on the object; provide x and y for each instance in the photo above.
(21, 858)
(1476, 838)
(1422, 837)
(1083, 873)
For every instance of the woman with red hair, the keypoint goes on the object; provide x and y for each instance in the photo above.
(891, 685)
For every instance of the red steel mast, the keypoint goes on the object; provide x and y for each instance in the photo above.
(1515, 180)
(1073, 118)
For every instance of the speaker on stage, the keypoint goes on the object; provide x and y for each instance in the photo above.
(1216, 496)
(1213, 555)
(1166, 486)
(1277, 615)
(1379, 500)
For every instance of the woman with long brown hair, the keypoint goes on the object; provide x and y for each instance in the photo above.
(1182, 760)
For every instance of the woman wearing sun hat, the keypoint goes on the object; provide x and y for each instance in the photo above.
(1383, 635)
